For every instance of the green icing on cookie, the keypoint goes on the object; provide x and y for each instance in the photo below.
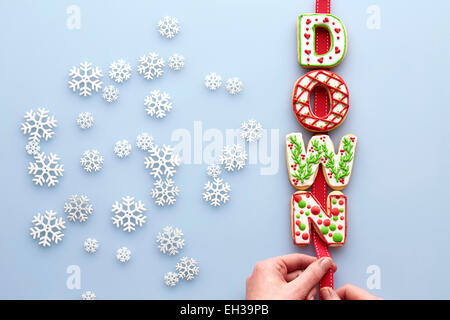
(302, 204)
(334, 201)
(324, 230)
(337, 237)
(302, 226)
(332, 227)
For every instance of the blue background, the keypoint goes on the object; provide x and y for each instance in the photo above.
(398, 217)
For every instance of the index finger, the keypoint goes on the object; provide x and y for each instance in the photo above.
(351, 292)
(296, 261)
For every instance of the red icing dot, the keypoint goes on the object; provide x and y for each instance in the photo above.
(301, 211)
(326, 223)
(297, 222)
(339, 227)
(338, 37)
(341, 202)
(305, 236)
(319, 221)
(330, 234)
(308, 206)
(307, 195)
(297, 233)
(315, 210)
(335, 211)
(297, 198)
(342, 217)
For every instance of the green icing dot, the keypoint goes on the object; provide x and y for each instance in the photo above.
(302, 204)
(334, 201)
(337, 237)
(335, 218)
(307, 213)
(297, 216)
(332, 227)
(324, 230)
(320, 215)
(341, 210)
(302, 226)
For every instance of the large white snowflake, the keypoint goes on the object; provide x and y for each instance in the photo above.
(91, 160)
(234, 86)
(85, 120)
(46, 169)
(213, 81)
(120, 71)
(176, 62)
(32, 148)
(171, 279)
(216, 192)
(91, 245)
(168, 27)
(213, 170)
(85, 79)
(170, 240)
(157, 104)
(47, 228)
(78, 208)
(151, 66)
(164, 192)
(39, 125)
(144, 141)
(123, 254)
(88, 295)
(233, 157)
(128, 214)
(122, 148)
(251, 130)
(187, 268)
(162, 161)
(110, 94)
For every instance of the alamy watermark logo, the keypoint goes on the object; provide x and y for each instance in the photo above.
(374, 280)
(73, 281)
(73, 21)
(374, 19)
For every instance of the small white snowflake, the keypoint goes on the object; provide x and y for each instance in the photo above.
(110, 94)
(78, 208)
(151, 66)
(91, 160)
(123, 254)
(120, 71)
(91, 245)
(88, 295)
(128, 214)
(213, 170)
(39, 125)
(32, 148)
(234, 86)
(85, 120)
(162, 161)
(122, 148)
(251, 130)
(171, 279)
(170, 240)
(187, 268)
(144, 141)
(176, 62)
(47, 228)
(216, 192)
(165, 192)
(168, 27)
(85, 79)
(46, 169)
(157, 104)
(233, 157)
(213, 81)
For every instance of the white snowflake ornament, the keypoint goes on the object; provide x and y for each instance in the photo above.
(128, 214)
(157, 104)
(234, 86)
(251, 130)
(168, 27)
(78, 208)
(213, 171)
(32, 148)
(122, 148)
(144, 141)
(171, 279)
(170, 241)
(165, 192)
(162, 162)
(91, 245)
(216, 192)
(151, 66)
(213, 81)
(187, 268)
(39, 125)
(85, 120)
(47, 228)
(46, 169)
(123, 254)
(176, 62)
(85, 79)
(91, 160)
(233, 157)
(120, 71)
(88, 295)
(110, 94)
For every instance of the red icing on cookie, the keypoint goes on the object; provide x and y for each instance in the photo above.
(315, 210)
(320, 60)
(335, 211)
(308, 21)
(307, 51)
(307, 35)
(337, 50)
(325, 20)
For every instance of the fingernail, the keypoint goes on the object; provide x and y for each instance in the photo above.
(326, 263)
(310, 297)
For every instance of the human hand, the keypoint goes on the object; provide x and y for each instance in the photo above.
(288, 277)
(346, 292)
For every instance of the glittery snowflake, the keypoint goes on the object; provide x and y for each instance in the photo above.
(123, 254)
(46, 169)
(176, 62)
(213, 81)
(85, 79)
(39, 125)
(144, 141)
(170, 240)
(151, 66)
(88, 295)
(168, 27)
(234, 86)
(157, 104)
(122, 148)
(162, 161)
(32, 148)
(120, 71)
(78, 208)
(187, 268)
(110, 94)
(164, 192)
(47, 228)
(171, 279)
(216, 192)
(213, 170)
(128, 214)
(85, 120)
(251, 130)
(233, 157)
(90, 245)
(91, 160)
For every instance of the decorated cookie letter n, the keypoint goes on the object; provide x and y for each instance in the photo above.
(307, 27)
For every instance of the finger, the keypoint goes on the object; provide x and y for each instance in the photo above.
(297, 261)
(293, 275)
(351, 292)
(329, 294)
(312, 294)
(310, 277)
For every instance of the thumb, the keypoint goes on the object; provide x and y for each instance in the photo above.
(329, 294)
